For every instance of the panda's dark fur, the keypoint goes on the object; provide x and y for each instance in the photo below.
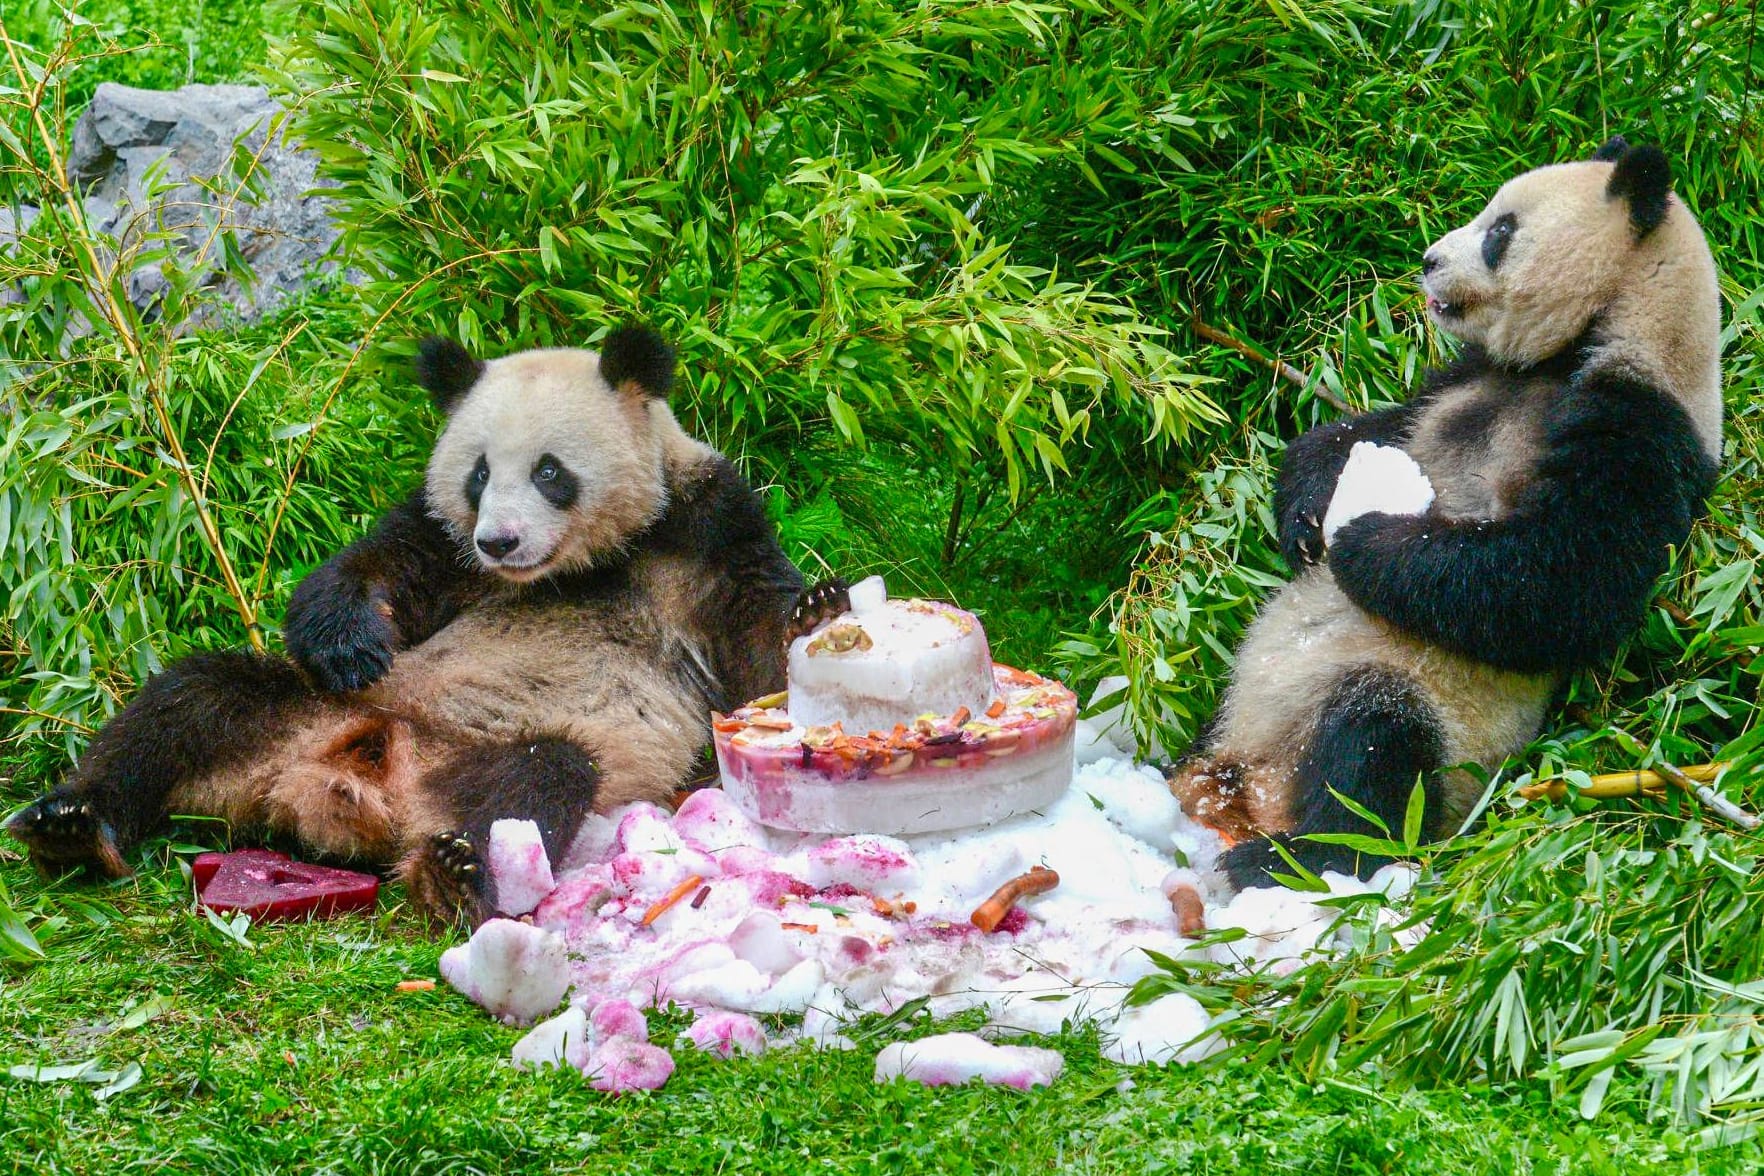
(558, 650)
(1569, 447)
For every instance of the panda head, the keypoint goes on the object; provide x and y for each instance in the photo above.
(1554, 249)
(550, 460)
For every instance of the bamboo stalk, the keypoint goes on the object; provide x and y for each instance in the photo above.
(1695, 779)
(1618, 784)
(1709, 796)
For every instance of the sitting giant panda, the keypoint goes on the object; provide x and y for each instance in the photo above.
(541, 630)
(1568, 448)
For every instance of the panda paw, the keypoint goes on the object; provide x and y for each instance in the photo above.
(342, 646)
(1306, 546)
(63, 832)
(447, 880)
(822, 602)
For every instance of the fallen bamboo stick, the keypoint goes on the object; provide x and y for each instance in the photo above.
(1616, 784)
(1695, 779)
(1709, 796)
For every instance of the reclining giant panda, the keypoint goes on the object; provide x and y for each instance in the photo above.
(542, 630)
(1567, 450)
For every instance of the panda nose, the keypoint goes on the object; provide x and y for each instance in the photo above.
(500, 546)
(1429, 262)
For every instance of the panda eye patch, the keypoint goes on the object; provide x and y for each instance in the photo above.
(1496, 240)
(477, 480)
(555, 482)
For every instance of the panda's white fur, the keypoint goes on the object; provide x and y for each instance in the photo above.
(1567, 450)
(1576, 257)
(542, 630)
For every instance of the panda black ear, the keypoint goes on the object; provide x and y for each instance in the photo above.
(637, 355)
(1644, 179)
(447, 370)
(1613, 149)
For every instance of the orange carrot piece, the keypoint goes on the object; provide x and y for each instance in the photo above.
(991, 913)
(1191, 913)
(996, 709)
(414, 986)
(811, 928)
(673, 896)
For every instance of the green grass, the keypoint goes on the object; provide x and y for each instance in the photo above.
(298, 1055)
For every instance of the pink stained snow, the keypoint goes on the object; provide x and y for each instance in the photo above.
(787, 923)
(951, 1059)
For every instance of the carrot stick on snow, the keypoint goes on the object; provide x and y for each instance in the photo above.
(673, 896)
(989, 914)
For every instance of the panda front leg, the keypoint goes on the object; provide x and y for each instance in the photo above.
(200, 716)
(1374, 738)
(548, 779)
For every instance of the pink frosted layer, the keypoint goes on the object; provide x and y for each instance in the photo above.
(941, 772)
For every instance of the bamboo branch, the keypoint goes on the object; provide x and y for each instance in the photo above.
(1617, 784)
(1708, 795)
(1276, 365)
(1695, 780)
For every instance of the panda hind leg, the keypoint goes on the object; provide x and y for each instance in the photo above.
(206, 712)
(547, 779)
(1374, 738)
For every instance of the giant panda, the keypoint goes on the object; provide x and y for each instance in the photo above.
(1569, 447)
(542, 629)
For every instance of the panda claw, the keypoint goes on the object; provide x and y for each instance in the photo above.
(821, 602)
(446, 881)
(62, 834)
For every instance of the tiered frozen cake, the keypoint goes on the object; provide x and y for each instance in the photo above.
(897, 721)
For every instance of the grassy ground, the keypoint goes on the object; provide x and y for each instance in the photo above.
(296, 1054)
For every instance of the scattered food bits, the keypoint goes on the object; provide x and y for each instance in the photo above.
(674, 896)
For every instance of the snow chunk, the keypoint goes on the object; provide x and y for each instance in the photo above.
(868, 862)
(550, 1043)
(617, 1018)
(1166, 1030)
(520, 872)
(514, 971)
(710, 820)
(950, 1059)
(622, 1064)
(726, 1034)
(1376, 478)
(760, 940)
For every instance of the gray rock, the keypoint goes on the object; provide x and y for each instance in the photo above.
(167, 160)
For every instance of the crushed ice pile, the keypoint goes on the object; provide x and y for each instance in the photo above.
(709, 910)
